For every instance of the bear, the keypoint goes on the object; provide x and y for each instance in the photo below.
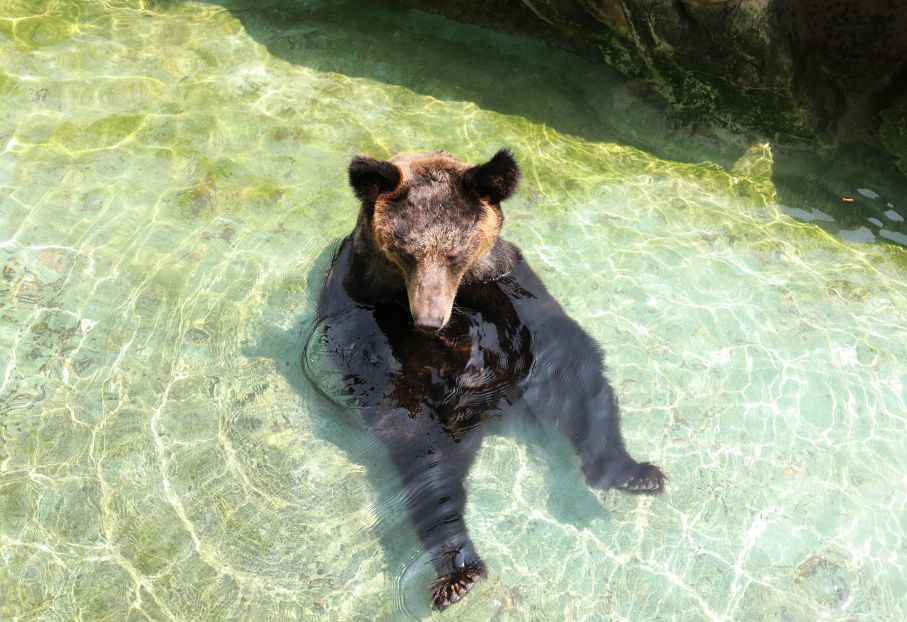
(436, 324)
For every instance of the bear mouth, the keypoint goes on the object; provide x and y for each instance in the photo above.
(430, 316)
(428, 326)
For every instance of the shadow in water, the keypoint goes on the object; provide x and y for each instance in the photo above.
(447, 60)
(570, 500)
(857, 194)
(345, 429)
(516, 75)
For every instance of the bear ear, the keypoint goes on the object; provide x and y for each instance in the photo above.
(370, 177)
(495, 180)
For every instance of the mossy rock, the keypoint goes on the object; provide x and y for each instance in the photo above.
(893, 131)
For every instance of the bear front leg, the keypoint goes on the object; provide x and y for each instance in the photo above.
(433, 464)
(576, 399)
(594, 431)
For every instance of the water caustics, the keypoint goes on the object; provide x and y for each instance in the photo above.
(172, 187)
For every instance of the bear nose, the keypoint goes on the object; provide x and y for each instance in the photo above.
(429, 323)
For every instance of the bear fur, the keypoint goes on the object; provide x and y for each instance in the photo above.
(436, 324)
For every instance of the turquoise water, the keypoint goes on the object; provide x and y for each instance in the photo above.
(172, 179)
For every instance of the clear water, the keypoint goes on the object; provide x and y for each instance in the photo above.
(172, 179)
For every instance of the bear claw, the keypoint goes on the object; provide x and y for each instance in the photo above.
(451, 588)
(647, 480)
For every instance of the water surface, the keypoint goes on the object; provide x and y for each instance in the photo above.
(172, 182)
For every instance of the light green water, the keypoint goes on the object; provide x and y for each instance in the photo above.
(170, 177)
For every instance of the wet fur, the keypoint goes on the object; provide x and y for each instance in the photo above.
(509, 347)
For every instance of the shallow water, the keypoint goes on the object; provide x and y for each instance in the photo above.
(172, 181)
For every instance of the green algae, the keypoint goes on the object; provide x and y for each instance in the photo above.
(101, 134)
(31, 33)
(266, 191)
(7, 83)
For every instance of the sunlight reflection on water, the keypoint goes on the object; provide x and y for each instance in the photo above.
(171, 191)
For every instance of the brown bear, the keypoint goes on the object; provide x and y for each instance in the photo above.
(436, 324)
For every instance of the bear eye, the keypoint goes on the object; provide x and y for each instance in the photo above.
(406, 258)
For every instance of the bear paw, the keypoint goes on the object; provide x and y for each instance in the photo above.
(641, 479)
(452, 587)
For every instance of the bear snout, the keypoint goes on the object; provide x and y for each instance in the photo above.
(430, 313)
(429, 324)
(431, 292)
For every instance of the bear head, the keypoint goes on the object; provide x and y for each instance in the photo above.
(435, 220)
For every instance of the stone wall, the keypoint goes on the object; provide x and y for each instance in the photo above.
(835, 69)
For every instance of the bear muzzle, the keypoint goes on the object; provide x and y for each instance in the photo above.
(429, 324)
(431, 291)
